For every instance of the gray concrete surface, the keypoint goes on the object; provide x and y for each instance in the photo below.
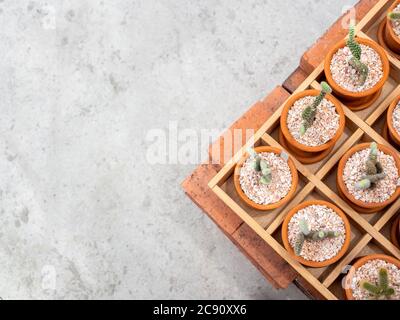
(83, 214)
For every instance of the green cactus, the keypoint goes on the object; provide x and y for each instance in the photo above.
(262, 166)
(394, 15)
(257, 159)
(361, 68)
(307, 234)
(356, 51)
(374, 170)
(266, 178)
(352, 43)
(380, 291)
(310, 112)
(298, 246)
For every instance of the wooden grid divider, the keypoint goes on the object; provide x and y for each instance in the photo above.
(274, 244)
(367, 227)
(314, 181)
(360, 245)
(370, 17)
(227, 170)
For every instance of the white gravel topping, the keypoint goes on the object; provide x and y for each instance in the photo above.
(355, 169)
(273, 192)
(396, 118)
(324, 127)
(346, 76)
(319, 218)
(396, 23)
(369, 272)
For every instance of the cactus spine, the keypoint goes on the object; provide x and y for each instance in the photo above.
(380, 291)
(310, 112)
(307, 234)
(262, 166)
(356, 51)
(374, 170)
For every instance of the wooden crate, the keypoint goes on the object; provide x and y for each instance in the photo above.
(370, 233)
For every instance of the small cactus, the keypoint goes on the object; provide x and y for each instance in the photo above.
(262, 166)
(374, 170)
(307, 234)
(356, 51)
(257, 159)
(380, 291)
(394, 15)
(310, 112)
(266, 178)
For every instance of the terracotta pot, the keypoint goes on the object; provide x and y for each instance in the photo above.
(304, 157)
(315, 154)
(289, 248)
(358, 100)
(252, 204)
(357, 208)
(357, 204)
(390, 37)
(394, 135)
(395, 232)
(359, 263)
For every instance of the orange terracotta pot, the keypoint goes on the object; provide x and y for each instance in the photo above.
(302, 150)
(357, 100)
(303, 157)
(252, 204)
(313, 264)
(394, 135)
(359, 263)
(357, 208)
(395, 232)
(390, 37)
(366, 207)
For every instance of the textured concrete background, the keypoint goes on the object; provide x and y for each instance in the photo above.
(83, 215)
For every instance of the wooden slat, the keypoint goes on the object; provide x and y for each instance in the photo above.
(274, 244)
(390, 247)
(295, 201)
(361, 245)
(300, 167)
(374, 13)
(363, 125)
(227, 170)
(315, 180)
(389, 214)
(393, 61)
(335, 158)
(337, 271)
(383, 107)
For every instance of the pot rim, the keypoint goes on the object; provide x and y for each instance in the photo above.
(343, 187)
(314, 264)
(288, 136)
(360, 262)
(395, 135)
(395, 232)
(366, 93)
(389, 27)
(252, 204)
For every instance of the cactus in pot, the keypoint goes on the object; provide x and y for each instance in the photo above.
(374, 170)
(356, 51)
(310, 112)
(307, 234)
(380, 291)
(262, 166)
